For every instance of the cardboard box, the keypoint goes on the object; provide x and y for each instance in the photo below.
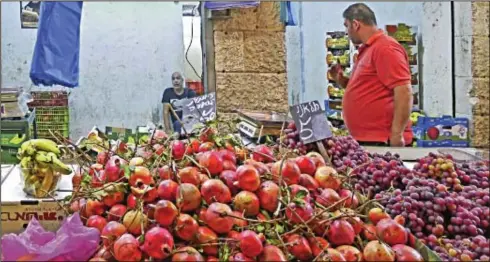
(125, 135)
(18, 208)
(443, 131)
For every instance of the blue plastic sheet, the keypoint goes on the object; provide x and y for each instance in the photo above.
(216, 5)
(56, 53)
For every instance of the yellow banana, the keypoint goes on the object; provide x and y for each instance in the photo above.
(58, 165)
(45, 145)
(26, 149)
(25, 162)
(56, 179)
(32, 179)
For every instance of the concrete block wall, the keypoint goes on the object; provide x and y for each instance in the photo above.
(480, 66)
(250, 61)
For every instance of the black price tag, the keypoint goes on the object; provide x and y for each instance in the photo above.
(197, 110)
(310, 121)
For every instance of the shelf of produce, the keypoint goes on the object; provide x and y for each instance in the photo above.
(413, 153)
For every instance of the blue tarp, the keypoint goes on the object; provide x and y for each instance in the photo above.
(57, 49)
(216, 5)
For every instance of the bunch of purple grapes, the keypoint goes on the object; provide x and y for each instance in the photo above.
(382, 173)
(291, 140)
(421, 204)
(345, 152)
(467, 249)
(476, 174)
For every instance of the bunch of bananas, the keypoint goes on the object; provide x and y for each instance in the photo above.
(41, 167)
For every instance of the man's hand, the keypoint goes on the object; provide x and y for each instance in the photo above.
(338, 75)
(396, 140)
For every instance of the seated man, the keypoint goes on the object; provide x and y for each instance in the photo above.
(172, 98)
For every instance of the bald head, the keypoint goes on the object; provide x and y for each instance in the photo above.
(361, 13)
(177, 80)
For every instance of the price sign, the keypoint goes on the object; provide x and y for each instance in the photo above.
(198, 110)
(310, 121)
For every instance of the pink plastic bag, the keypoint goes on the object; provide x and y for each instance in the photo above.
(72, 242)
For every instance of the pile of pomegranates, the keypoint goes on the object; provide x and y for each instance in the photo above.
(204, 199)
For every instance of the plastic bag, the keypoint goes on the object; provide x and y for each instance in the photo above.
(72, 242)
(56, 53)
(39, 182)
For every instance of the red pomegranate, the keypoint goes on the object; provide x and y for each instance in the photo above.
(327, 198)
(309, 182)
(377, 214)
(207, 236)
(97, 221)
(113, 169)
(405, 253)
(332, 255)
(165, 213)
(168, 190)
(250, 243)
(158, 243)
(134, 220)
(306, 165)
(212, 161)
(186, 227)
(261, 167)
(240, 257)
(248, 178)
(341, 232)
(114, 198)
(327, 177)
(268, 195)
(94, 207)
(262, 153)
(300, 248)
(351, 201)
(111, 232)
(290, 172)
(219, 218)
(116, 212)
(317, 245)
(248, 202)
(356, 223)
(164, 172)
(102, 157)
(213, 190)
(187, 254)
(227, 155)
(131, 201)
(317, 158)
(188, 197)
(229, 177)
(298, 214)
(369, 232)
(178, 149)
(350, 253)
(228, 165)
(272, 253)
(378, 251)
(126, 248)
(189, 175)
(391, 232)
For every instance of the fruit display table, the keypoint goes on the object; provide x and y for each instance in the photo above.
(18, 208)
(6, 169)
(413, 153)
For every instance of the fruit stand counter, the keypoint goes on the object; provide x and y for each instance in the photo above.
(413, 153)
(6, 169)
(18, 208)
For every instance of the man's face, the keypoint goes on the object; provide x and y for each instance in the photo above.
(352, 30)
(176, 80)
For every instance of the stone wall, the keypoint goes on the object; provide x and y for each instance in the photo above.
(481, 73)
(250, 61)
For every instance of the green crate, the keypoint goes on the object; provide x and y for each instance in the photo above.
(53, 115)
(43, 129)
(12, 134)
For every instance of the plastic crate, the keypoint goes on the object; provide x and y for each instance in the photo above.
(55, 115)
(49, 99)
(43, 129)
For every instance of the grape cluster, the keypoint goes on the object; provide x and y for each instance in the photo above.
(291, 140)
(382, 173)
(345, 152)
(468, 249)
(443, 169)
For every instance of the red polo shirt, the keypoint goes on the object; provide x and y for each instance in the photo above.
(368, 101)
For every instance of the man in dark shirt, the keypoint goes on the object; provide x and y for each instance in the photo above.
(172, 98)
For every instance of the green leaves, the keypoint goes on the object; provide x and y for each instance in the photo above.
(425, 252)
(224, 252)
(127, 171)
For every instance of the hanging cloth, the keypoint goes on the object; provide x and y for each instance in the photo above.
(56, 54)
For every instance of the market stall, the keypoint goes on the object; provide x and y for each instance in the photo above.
(210, 197)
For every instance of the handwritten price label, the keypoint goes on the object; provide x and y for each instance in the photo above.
(199, 109)
(310, 121)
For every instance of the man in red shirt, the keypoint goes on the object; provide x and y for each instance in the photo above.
(378, 98)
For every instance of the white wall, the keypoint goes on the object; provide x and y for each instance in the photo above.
(321, 17)
(128, 53)
(195, 51)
